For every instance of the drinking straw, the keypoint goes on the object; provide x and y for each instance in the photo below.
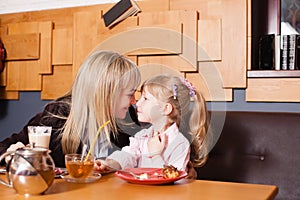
(95, 139)
(83, 152)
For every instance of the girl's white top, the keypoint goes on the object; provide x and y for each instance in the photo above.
(176, 152)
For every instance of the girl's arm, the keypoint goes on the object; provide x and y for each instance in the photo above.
(180, 156)
(129, 155)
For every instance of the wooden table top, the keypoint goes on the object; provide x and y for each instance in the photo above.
(111, 187)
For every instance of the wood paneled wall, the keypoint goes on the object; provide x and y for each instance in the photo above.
(202, 40)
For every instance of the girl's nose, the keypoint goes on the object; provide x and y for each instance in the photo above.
(138, 102)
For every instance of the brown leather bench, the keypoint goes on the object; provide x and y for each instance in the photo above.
(258, 147)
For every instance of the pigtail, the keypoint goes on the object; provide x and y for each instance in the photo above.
(198, 128)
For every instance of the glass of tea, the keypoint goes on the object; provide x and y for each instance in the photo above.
(78, 166)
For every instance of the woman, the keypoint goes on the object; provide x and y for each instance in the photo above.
(102, 90)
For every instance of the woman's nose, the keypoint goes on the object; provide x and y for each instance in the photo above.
(132, 99)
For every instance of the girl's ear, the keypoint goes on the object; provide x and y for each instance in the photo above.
(168, 108)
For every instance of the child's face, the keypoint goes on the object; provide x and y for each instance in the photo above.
(149, 109)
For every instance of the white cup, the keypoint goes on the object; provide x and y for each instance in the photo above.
(39, 136)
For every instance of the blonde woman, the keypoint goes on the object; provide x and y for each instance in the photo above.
(102, 90)
(178, 131)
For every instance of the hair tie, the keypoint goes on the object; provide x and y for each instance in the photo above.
(189, 85)
(175, 91)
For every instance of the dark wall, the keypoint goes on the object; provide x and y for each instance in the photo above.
(14, 114)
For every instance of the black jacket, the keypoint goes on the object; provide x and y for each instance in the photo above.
(61, 107)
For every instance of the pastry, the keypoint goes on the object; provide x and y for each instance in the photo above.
(170, 171)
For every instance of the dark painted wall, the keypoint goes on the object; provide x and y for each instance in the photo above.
(14, 114)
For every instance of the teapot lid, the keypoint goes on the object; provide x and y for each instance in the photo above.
(29, 151)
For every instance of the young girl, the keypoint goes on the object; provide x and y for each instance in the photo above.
(166, 104)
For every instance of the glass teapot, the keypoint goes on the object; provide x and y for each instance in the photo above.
(30, 171)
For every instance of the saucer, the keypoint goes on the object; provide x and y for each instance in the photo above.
(60, 171)
(91, 178)
(2, 170)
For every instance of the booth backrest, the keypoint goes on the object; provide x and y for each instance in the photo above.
(258, 147)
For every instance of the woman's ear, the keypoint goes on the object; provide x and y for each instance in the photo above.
(168, 108)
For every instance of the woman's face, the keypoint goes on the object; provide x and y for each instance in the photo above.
(124, 101)
(149, 109)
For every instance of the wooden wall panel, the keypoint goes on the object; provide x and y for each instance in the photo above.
(27, 48)
(61, 18)
(207, 82)
(57, 84)
(23, 76)
(85, 31)
(105, 33)
(45, 61)
(210, 40)
(62, 53)
(9, 95)
(45, 31)
(120, 38)
(176, 62)
(273, 89)
(147, 40)
(189, 19)
(157, 40)
(147, 71)
(154, 5)
(3, 77)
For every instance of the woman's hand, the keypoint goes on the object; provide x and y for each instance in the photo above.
(156, 144)
(16, 146)
(13, 147)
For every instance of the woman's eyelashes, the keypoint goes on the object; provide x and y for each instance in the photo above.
(131, 95)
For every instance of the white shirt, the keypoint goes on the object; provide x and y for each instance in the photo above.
(176, 152)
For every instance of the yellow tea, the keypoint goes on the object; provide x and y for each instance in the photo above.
(33, 184)
(80, 169)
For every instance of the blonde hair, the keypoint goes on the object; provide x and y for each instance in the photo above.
(173, 90)
(95, 91)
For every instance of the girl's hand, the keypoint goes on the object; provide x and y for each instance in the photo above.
(156, 144)
(100, 167)
(105, 167)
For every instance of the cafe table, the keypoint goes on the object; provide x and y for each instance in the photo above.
(110, 187)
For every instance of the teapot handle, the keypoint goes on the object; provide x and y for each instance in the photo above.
(9, 184)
